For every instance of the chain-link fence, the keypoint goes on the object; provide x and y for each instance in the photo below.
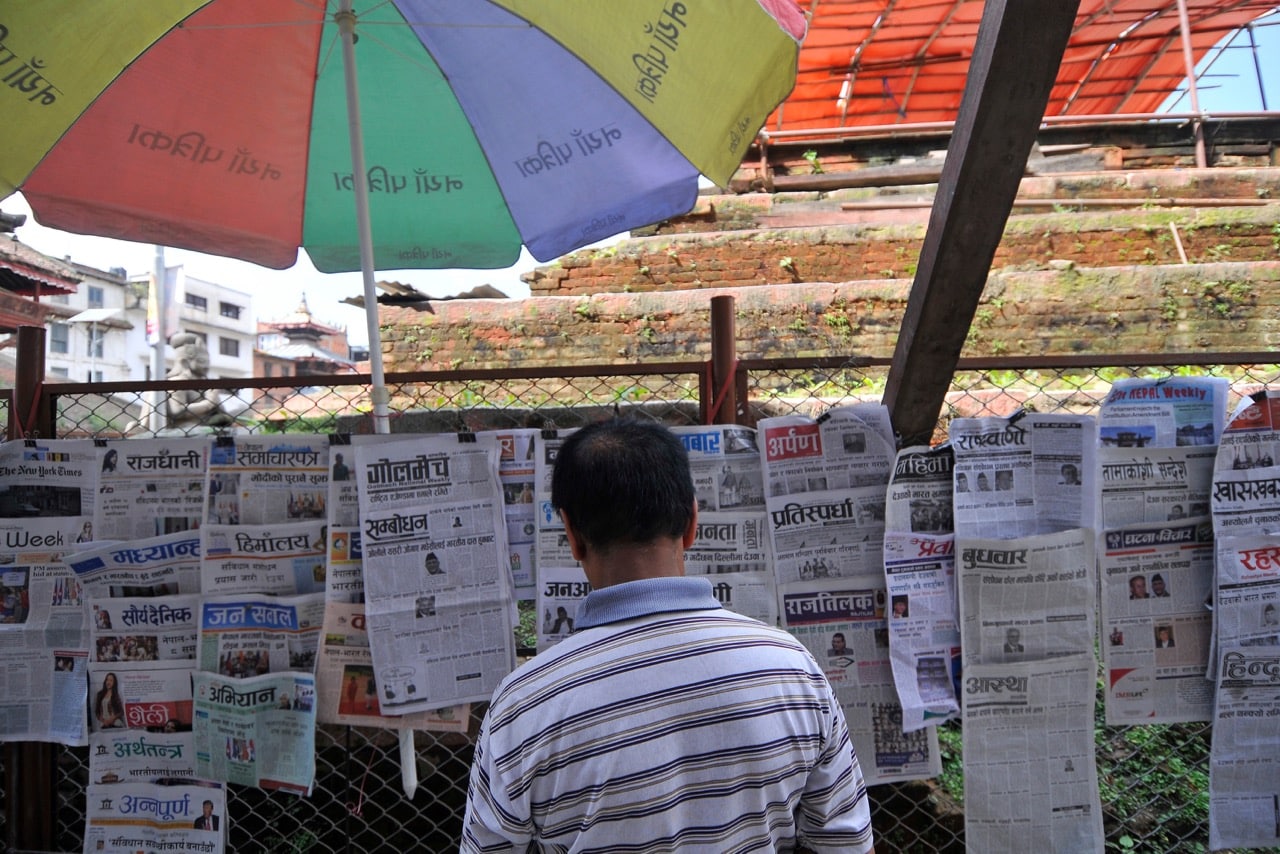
(1153, 779)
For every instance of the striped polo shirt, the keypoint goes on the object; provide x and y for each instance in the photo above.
(666, 723)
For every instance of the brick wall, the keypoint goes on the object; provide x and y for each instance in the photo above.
(1144, 308)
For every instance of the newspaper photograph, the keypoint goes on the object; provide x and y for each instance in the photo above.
(143, 633)
(1027, 598)
(268, 480)
(517, 470)
(1156, 632)
(346, 690)
(1023, 475)
(1252, 437)
(47, 690)
(280, 558)
(138, 756)
(52, 477)
(842, 624)
(561, 590)
(41, 601)
(1030, 772)
(151, 487)
(1154, 484)
(155, 698)
(128, 818)
(151, 566)
(924, 628)
(919, 498)
(438, 600)
(844, 448)
(258, 731)
(1163, 413)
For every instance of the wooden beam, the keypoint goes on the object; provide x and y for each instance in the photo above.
(1015, 60)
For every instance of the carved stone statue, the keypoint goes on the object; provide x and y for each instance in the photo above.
(194, 407)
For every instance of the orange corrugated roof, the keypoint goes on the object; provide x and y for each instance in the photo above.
(888, 62)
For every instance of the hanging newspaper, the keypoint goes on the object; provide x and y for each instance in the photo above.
(1246, 501)
(345, 686)
(1156, 631)
(258, 731)
(50, 478)
(561, 590)
(919, 498)
(1244, 762)
(142, 652)
(1154, 484)
(1024, 475)
(151, 487)
(516, 473)
(43, 636)
(1026, 598)
(1030, 774)
(344, 572)
(281, 558)
(138, 756)
(732, 542)
(437, 579)
(825, 481)
(268, 480)
(551, 546)
(841, 623)
(924, 639)
(1252, 437)
(126, 818)
(1163, 413)
(154, 566)
(249, 635)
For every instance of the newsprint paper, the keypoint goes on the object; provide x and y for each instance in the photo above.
(438, 599)
(126, 818)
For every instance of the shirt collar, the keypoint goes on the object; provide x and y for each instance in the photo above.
(633, 599)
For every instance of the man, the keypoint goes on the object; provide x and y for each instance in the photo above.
(663, 722)
(1138, 587)
(206, 820)
(1158, 588)
(1013, 641)
(838, 646)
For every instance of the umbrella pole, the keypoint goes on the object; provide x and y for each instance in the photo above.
(346, 21)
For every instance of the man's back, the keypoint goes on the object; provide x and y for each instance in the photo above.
(672, 730)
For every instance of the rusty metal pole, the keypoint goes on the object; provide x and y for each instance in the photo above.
(29, 766)
(30, 415)
(724, 391)
(1188, 59)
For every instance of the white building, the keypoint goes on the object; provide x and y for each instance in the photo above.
(100, 334)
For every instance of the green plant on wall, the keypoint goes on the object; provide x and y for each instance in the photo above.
(815, 166)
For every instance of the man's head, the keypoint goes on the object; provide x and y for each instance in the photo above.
(1138, 586)
(623, 482)
(207, 806)
(1012, 636)
(837, 642)
(1157, 584)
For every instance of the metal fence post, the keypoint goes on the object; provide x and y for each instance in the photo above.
(723, 406)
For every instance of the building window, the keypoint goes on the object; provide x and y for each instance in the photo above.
(199, 303)
(229, 347)
(59, 338)
(96, 336)
(230, 310)
(60, 372)
(60, 299)
(266, 369)
(94, 376)
(95, 297)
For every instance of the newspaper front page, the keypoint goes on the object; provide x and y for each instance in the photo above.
(129, 818)
(1154, 484)
(150, 566)
(281, 558)
(268, 480)
(151, 487)
(1252, 437)
(924, 639)
(1163, 413)
(517, 474)
(248, 635)
(1156, 632)
(1024, 475)
(1030, 776)
(843, 626)
(1244, 763)
(43, 636)
(256, 731)
(561, 590)
(1027, 598)
(347, 693)
(138, 756)
(438, 597)
(732, 542)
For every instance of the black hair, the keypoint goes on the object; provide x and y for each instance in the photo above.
(623, 481)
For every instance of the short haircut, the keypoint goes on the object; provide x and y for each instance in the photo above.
(623, 481)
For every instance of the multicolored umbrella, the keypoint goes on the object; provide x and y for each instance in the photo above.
(235, 127)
